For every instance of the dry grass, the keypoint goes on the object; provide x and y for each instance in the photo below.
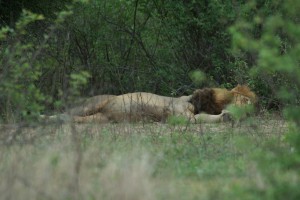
(129, 161)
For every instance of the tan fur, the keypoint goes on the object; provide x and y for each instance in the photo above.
(91, 105)
(245, 95)
(142, 106)
(206, 104)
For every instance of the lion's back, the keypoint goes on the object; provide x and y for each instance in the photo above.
(136, 106)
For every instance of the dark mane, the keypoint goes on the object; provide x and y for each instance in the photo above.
(204, 100)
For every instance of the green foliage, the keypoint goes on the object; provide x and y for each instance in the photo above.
(240, 112)
(276, 49)
(177, 120)
(23, 64)
(197, 77)
(271, 38)
(147, 46)
(77, 80)
(26, 18)
(10, 11)
(20, 98)
(132, 45)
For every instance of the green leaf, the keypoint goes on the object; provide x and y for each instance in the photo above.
(197, 76)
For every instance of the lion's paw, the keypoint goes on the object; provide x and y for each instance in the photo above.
(226, 116)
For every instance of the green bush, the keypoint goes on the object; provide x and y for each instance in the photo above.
(276, 51)
(23, 64)
(20, 98)
(135, 46)
(146, 46)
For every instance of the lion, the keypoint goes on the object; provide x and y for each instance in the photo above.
(204, 105)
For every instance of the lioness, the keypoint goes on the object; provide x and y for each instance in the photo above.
(205, 105)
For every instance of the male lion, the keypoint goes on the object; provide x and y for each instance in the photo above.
(205, 105)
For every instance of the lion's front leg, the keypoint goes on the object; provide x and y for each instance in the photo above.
(225, 116)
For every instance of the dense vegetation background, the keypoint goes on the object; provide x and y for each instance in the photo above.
(52, 51)
(120, 46)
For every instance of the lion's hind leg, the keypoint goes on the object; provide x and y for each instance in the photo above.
(91, 105)
(96, 118)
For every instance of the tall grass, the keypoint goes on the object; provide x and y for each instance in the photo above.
(144, 161)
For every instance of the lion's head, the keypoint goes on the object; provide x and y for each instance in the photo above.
(242, 95)
(214, 100)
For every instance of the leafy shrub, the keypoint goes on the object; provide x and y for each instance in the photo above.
(276, 51)
(147, 46)
(23, 64)
(19, 95)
